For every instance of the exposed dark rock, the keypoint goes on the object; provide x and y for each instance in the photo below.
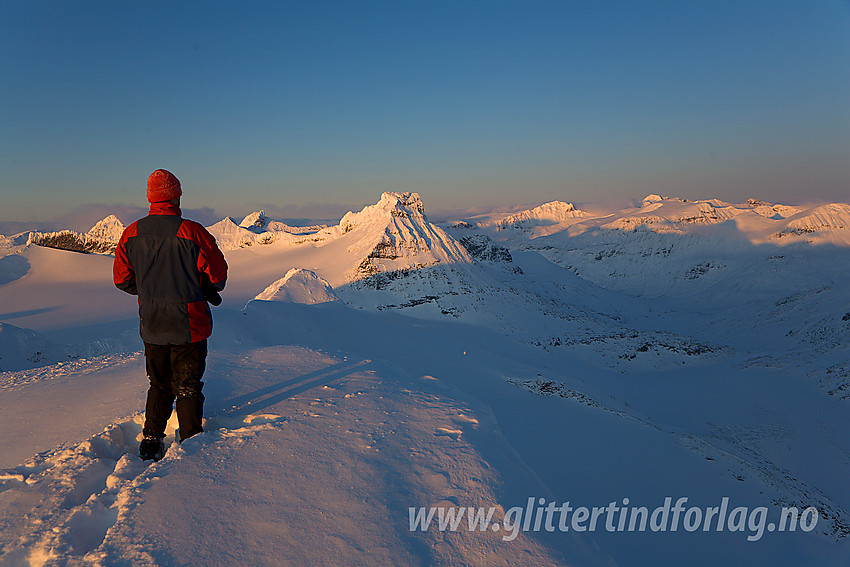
(481, 247)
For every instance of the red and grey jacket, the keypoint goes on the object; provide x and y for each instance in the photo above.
(171, 263)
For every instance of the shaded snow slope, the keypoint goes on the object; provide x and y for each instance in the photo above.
(305, 444)
(13, 267)
(23, 348)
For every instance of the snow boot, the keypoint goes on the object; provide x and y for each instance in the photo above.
(151, 448)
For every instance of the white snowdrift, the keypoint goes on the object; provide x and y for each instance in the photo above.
(299, 286)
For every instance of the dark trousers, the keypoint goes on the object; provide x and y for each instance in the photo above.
(175, 372)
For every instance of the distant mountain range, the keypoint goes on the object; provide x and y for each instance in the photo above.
(754, 220)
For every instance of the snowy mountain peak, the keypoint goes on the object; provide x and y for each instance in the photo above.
(553, 212)
(107, 230)
(410, 202)
(823, 218)
(392, 204)
(102, 238)
(652, 198)
(255, 220)
(529, 220)
(394, 234)
(230, 236)
(299, 286)
(257, 228)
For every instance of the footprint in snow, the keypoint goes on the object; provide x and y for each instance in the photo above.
(85, 489)
(454, 434)
(79, 489)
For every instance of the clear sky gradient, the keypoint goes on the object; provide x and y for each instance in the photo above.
(301, 104)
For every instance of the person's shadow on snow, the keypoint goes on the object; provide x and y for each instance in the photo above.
(239, 407)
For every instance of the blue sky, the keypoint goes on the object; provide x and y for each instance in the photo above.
(306, 107)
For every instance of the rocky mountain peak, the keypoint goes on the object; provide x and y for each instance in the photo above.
(409, 202)
(107, 230)
(255, 221)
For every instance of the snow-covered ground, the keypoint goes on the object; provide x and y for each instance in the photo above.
(676, 349)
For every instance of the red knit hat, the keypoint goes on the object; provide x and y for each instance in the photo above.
(163, 186)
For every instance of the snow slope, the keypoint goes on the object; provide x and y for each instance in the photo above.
(299, 286)
(321, 455)
(587, 358)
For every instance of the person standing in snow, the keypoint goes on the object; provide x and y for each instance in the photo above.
(175, 267)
